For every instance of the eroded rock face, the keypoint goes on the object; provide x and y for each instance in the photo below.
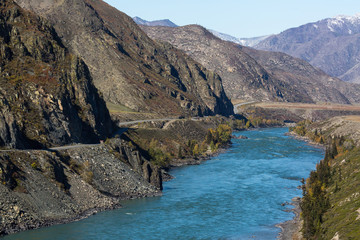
(47, 96)
(128, 67)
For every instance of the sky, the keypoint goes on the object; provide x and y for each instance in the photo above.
(239, 18)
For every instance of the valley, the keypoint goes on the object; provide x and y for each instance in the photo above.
(172, 128)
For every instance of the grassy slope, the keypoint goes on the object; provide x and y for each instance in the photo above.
(342, 218)
(344, 193)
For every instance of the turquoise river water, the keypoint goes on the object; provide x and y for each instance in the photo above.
(235, 195)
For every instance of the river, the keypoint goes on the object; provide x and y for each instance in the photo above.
(238, 194)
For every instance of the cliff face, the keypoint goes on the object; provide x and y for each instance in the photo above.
(46, 94)
(128, 67)
(256, 75)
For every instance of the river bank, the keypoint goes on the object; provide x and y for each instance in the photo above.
(292, 229)
(236, 194)
(44, 188)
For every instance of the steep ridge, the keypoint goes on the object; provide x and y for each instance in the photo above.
(256, 75)
(128, 67)
(242, 77)
(331, 44)
(47, 97)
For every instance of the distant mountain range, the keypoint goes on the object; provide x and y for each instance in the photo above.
(332, 45)
(164, 22)
(249, 42)
(256, 75)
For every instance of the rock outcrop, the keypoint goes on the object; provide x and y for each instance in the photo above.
(128, 67)
(40, 188)
(256, 75)
(47, 97)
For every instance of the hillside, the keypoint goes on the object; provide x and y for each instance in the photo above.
(331, 206)
(47, 97)
(257, 75)
(128, 67)
(331, 44)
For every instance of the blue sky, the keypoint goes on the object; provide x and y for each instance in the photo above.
(242, 18)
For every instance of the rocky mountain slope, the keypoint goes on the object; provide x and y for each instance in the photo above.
(256, 75)
(249, 42)
(331, 44)
(128, 67)
(307, 79)
(164, 22)
(47, 96)
(42, 188)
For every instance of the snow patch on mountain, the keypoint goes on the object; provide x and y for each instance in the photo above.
(249, 42)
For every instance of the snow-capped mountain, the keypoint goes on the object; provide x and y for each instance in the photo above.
(249, 42)
(332, 44)
(164, 22)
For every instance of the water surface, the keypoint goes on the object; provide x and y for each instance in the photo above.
(236, 195)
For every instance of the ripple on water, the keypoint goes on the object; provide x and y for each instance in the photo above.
(236, 195)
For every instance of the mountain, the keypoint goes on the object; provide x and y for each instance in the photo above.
(164, 22)
(128, 67)
(47, 96)
(257, 75)
(249, 42)
(332, 45)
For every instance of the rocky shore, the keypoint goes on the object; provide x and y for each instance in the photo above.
(291, 229)
(41, 188)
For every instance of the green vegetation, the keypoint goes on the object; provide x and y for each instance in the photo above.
(34, 165)
(158, 157)
(192, 141)
(118, 108)
(300, 128)
(331, 195)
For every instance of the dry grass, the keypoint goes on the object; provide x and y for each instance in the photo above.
(326, 106)
(353, 118)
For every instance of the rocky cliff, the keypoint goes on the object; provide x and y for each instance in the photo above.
(128, 67)
(47, 97)
(256, 75)
(41, 188)
(331, 44)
